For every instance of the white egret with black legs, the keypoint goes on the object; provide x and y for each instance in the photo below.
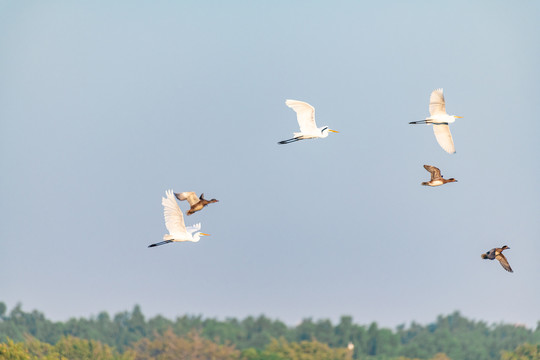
(305, 114)
(174, 222)
(440, 120)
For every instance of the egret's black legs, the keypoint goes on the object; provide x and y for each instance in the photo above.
(288, 141)
(160, 243)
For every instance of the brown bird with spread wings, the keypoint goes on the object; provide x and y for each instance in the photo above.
(197, 203)
(496, 253)
(436, 177)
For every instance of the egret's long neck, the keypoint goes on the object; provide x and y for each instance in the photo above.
(324, 131)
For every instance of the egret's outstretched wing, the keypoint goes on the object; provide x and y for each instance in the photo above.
(174, 219)
(504, 262)
(190, 196)
(305, 114)
(444, 137)
(436, 103)
(193, 228)
(435, 172)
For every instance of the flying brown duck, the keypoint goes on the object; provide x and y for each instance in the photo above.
(496, 253)
(197, 203)
(436, 177)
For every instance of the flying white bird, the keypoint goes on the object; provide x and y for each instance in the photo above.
(174, 221)
(440, 120)
(305, 114)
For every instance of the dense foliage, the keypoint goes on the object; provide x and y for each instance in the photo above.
(128, 335)
(523, 352)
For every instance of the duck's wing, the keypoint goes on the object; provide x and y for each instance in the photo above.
(174, 219)
(436, 103)
(444, 137)
(435, 172)
(190, 196)
(305, 114)
(193, 228)
(504, 262)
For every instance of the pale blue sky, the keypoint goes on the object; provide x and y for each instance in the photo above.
(105, 105)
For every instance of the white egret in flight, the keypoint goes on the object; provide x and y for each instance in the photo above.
(305, 114)
(174, 221)
(440, 120)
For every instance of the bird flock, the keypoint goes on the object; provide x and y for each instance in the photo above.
(305, 115)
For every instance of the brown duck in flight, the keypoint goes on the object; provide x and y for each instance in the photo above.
(496, 253)
(197, 203)
(436, 177)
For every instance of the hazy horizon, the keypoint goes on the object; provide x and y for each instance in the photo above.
(223, 318)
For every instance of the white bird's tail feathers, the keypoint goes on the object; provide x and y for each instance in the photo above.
(194, 227)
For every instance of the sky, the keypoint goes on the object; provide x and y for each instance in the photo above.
(106, 105)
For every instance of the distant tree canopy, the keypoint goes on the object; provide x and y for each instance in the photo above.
(169, 346)
(523, 352)
(128, 335)
(66, 348)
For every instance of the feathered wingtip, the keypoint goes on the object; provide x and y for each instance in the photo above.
(170, 194)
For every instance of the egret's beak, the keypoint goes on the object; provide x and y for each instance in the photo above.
(204, 234)
(332, 130)
(458, 117)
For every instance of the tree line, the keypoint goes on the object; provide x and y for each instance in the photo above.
(128, 335)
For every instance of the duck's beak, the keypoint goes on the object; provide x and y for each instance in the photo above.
(458, 117)
(332, 130)
(204, 234)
